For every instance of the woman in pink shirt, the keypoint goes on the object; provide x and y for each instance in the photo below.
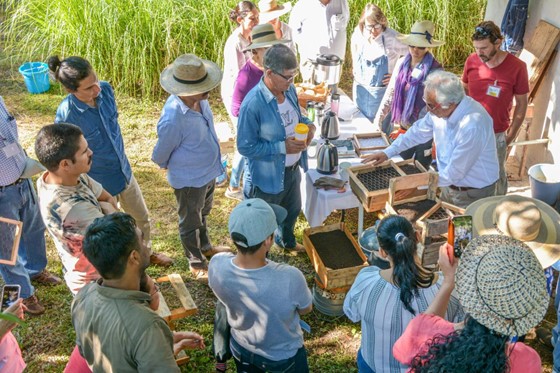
(502, 288)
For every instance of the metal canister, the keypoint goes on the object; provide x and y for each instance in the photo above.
(311, 110)
(319, 112)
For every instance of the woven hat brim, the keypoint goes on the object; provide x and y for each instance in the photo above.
(172, 86)
(547, 244)
(264, 17)
(265, 44)
(418, 41)
(511, 291)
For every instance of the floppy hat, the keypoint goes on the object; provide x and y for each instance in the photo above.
(526, 219)
(189, 75)
(501, 284)
(421, 35)
(269, 10)
(263, 36)
(255, 220)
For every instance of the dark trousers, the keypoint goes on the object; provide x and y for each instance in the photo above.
(248, 362)
(289, 198)
(422, 153)
(193, 206)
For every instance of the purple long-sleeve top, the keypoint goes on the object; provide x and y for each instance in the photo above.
(248, 77)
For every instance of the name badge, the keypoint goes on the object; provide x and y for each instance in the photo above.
(11, 150)
(416, 73)
(493, 90)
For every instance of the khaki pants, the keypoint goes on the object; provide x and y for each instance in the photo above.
(132, 202)
(466, 197)
(501, 148)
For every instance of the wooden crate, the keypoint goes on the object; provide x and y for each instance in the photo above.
(367, 143)
(336, 279)
(435, 223)
(10, 235)
(373, 197)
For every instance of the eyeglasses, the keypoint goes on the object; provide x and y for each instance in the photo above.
(419, 48)
(377, 26)
(289, 79)
(432, 107)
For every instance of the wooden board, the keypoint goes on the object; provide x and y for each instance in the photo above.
(10, 234)
(188, 307)
(538, 52)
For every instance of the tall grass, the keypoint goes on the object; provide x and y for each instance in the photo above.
(130, 41)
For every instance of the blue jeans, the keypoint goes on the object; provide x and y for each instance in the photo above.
(289, 198)
(248, 362)
(363, 367)
(237, 166)
(19, 202)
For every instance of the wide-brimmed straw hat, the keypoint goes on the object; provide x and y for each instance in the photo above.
(421, 35)
(189, 75)
(526, 219)
(501, 284)
(269, 10)
(263, 36)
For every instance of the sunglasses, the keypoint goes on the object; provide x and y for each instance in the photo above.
(377, 26)
(289, 79)
(482, 31)
(419, 48)
(432, 107)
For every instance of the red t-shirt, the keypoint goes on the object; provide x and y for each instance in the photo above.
(510, 76)
(522, 358)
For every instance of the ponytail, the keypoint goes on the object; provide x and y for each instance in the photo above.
(70, 71)
(241, 10)
(397, 237)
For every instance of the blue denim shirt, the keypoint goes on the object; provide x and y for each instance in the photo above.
(101, 129)
(187, 145)
(261, 137)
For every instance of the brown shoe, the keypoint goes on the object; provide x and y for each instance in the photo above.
(34, 307)
(160, 259)
(299, 248)
(216, 250)
(46, 278)
(200, 274)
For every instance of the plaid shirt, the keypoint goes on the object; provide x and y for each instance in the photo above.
(12, 160)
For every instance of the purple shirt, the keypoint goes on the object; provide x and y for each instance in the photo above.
(248, 77)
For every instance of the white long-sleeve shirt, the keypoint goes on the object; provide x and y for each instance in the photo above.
(465, 145)
(320, 29)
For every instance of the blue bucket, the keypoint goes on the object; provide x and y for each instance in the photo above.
(35, 76)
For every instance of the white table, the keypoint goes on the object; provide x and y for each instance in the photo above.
(319, 203)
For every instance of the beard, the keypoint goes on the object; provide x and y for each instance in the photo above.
(489, 57)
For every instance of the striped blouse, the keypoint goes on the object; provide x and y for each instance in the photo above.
(376, 303)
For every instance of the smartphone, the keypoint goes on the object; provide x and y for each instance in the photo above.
(459, 233)
(10, 293)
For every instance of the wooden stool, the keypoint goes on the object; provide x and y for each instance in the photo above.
(188, 307)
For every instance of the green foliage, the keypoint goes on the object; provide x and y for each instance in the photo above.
(129, 42)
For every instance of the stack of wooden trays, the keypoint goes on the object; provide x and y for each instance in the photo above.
(368, 143)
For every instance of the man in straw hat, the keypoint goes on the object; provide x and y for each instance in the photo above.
(262, 37)
(502, 288)
(263, 299)
(266, 137)
(494, 78)
(462, 129)
(189, 150)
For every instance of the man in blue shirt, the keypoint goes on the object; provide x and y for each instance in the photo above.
(91, 106)
(188, 148)
(266, 137)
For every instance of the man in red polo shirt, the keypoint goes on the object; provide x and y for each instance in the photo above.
(494, 77)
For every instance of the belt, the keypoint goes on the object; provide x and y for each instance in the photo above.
(18, 181)
(293, 167)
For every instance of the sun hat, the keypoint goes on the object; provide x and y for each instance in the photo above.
(263, 36)
(526, 219)
(189, 75)
(269, 10)
(254, 220)
(421, 35)
(502, 285)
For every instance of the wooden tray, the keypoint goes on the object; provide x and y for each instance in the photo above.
(336, 279)
(367, 143)
(370, 183)
(10, 235)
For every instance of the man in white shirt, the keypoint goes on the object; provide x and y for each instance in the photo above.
(463, 133)
(319, 27)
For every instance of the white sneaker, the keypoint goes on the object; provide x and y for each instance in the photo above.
(234, 194)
